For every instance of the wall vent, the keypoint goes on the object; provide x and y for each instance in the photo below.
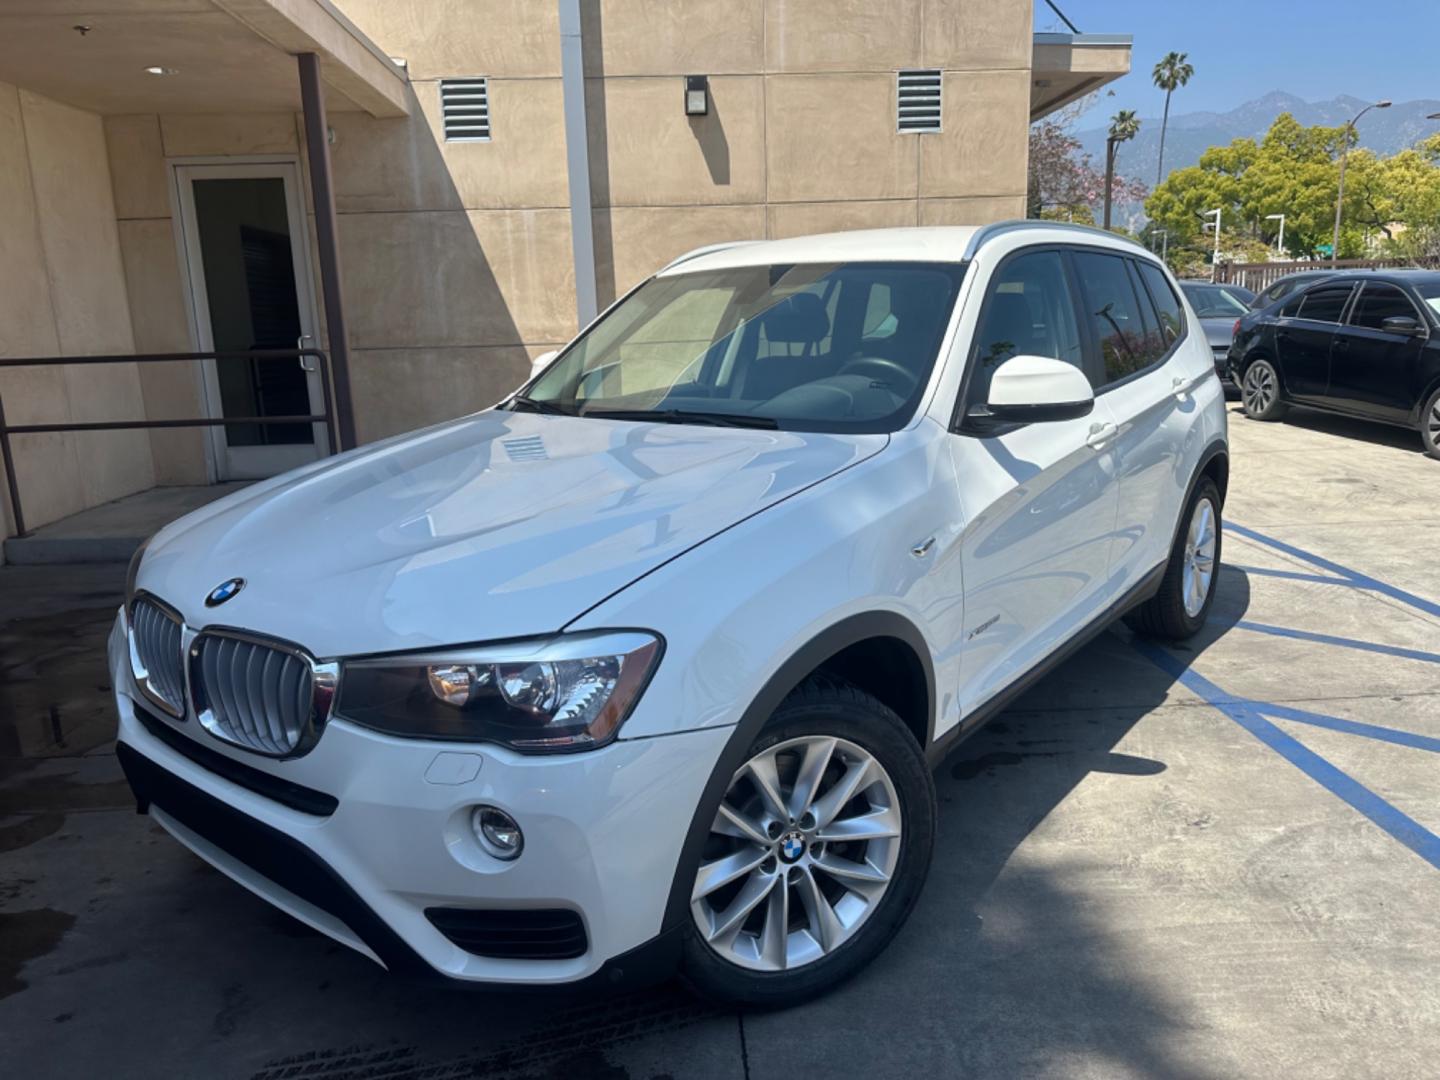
(465, 106)
(917, 101)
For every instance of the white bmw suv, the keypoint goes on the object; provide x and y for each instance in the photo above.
(645, 668)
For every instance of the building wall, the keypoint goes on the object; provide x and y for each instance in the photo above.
(63, 292)
(456, 257)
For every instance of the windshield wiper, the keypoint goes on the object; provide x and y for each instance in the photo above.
(520, 401)
(687, 416)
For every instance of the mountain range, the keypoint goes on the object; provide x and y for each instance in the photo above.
(1191, 134)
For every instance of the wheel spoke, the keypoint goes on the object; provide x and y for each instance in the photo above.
(762, 771)
(715, 875)
(728, 922)
(812, 767)
(825, 925)
(863, 878)
(881, 824)
(730, 822)
(856, 778)
(774, 938)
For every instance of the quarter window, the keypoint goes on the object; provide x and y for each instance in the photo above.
(1379, 302)
(1325, 304)
(1027, 311)
(1167, 304)
(1114, 312)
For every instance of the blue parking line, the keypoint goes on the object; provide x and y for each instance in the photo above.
(1294, 575)
(1343, 642)
(1349, 727)
(1389, 818)
(1430, 607)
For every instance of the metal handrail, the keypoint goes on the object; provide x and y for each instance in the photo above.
(327, 417)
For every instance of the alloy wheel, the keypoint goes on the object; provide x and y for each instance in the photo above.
(801, 852)
(1258, 390)
(1199, 570)
(1433, 423)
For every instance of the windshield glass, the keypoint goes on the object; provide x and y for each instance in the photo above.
(844, 348)
(1430, 292)
(1215, 302)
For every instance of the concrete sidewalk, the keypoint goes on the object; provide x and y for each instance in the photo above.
(1135, 875)
(110, 532)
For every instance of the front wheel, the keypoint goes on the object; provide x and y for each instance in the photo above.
(1179, 608)
(1260, 392)
(817, 853)
(1430, 425)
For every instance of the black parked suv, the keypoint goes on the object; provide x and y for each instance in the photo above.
(1366, 346)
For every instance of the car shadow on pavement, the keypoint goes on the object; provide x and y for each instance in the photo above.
(1345, 427)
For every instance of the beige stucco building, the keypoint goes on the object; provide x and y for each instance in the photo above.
(158, 195)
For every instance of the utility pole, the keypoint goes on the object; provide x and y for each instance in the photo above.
(1344, 153)
(1280, 240)
(1215, 260)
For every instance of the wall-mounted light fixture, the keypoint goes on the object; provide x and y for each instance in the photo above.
(158, 70)
(697, 95)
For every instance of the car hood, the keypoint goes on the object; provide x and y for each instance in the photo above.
(498, 525)
(1218, 332)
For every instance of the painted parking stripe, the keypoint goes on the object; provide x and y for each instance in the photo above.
(1349, 727)
(1388, 817)
(1343, 642)
(1355, 577)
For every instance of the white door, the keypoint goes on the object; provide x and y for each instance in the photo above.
(1040, 499)
(244, 238)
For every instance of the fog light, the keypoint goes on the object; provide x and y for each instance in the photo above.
(497, 832)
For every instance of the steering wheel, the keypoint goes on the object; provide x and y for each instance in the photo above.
(882, 370)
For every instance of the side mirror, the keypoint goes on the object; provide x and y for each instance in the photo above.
(541, 362)
(1407, 325)
(1038, 390)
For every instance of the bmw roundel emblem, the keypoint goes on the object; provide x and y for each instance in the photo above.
(792, 846)
(226, 590)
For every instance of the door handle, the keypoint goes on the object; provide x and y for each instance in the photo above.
(1101, 433)
(1342, 343)
(1178, 386)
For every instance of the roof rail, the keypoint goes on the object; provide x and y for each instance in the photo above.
(999, 228)
(708, 249)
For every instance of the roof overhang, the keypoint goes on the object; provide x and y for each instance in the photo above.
(1066, 67)
(225, 56)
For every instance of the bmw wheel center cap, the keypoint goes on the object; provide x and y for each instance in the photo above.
(226, 590)
(792, 846)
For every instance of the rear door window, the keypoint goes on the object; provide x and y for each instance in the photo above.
(1325, 303)
(1114, 312)
(1167, 304)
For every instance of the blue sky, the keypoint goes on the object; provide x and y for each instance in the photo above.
(1241, 49)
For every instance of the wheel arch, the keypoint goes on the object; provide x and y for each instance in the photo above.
(869, 650)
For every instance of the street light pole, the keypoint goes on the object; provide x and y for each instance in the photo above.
(1164, 235)
(1280, 241)
(1215, 259)
(1344, 153)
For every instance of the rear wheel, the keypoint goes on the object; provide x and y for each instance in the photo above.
(1260, 391)
(1430, 425)
(817, 854)
(1182, 604)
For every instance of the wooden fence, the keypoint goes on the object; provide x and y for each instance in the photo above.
(1257, 276)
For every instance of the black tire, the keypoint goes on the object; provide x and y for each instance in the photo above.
(1430, 425)
(825, 706)
(1164, 615)
(1260, 392)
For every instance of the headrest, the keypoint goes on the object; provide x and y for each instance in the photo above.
(799, 319)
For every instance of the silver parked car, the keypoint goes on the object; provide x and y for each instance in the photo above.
(1219, 308)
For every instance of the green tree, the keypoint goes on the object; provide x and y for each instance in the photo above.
(1171, 73)
(1124, 126)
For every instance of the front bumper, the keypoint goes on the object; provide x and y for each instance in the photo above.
(603, 833)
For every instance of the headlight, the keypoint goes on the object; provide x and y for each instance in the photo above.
(570, 692)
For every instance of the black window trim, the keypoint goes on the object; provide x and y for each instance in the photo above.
(1099, 358)
(1368, 283)
(960, 423)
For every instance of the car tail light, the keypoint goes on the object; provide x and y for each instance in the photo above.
(1235, 329)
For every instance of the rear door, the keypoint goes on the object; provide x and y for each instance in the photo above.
(1372, 371)
(1134, 339)
(1040, 499)
(1303, 335)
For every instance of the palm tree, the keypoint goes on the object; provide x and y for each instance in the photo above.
(1170, 74)
(1124, 126)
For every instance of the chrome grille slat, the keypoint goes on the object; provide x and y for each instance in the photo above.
(255, 695)
(157, 657)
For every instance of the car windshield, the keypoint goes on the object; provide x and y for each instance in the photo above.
(1430, 292)
(837, 347)
(1215, 301)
